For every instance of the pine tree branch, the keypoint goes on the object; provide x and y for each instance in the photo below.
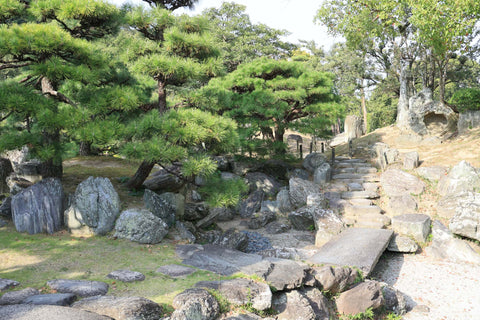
(8, 115)
(13, 65)
(47, 88)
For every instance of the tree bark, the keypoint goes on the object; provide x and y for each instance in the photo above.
(141, 175)
(402, 107)
(364, 110)
(162, 97)
(85, 149)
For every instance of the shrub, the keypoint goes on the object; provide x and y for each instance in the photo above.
(466, 99)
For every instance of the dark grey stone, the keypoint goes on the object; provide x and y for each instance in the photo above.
(252, 204)
(302, 219)
(159, 207)
(277, 169)
(6, 284)
(185, 231)
(355, 247)
(314, 160)
(121, 308)
(6, 207)
(394, 300)
(233, 239)
(5, 170)
(94, 209)
(195, 211)
(81, 288)
(2, 223)
(223, 213)
(17, 297)
(241, 292)
(335, 280)
(292, 305)
(39, 208)
(53, 299)
(261, 219)
(299, 173)
(175, 270)
(322, 174)
(365, 295)
(223, 163)
(319, 303)
(283, 201)
(141, 226)
(45, 312)
(165, 182)
(126, 275)
(277, 227)
(261, 181)
(282, 274)
(195, 303)
(299, 190)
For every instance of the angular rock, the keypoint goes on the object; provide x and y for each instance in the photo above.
(292, 305)
(39, 208)
(461, 178)
(319, 303)
(396, 182)
(141, 226)
(355, 247)
(314, 160)
(269, 206)
(283, 201)
(302, 219)
(185, 232)
(165, 182)
(335, 280)
(252, 204)
(365, 295)
(277, 227)
(414, 225)
(395, 301)
(411, 160)
(263, 182)
(401, 204)
(45, 312)
(210, 236)
(359, 210)
(126, 275)
(53, 299)
(5, 170)
(6, 284)
(327, 225)
(94, 209)
(354, 186)
(17, 297)
(176, 201)
(241, 292)
(233, 239)
(282, 274)
(403, 244)
(121, 308)
(195, 211)
(366, 170)
(370, 186)
(175, 270)
(466, 221)
(6, 207)
(260, 220)
(246, 316)
(195, 303)
(318, 200)
(81, 288)
(300, 189)
(223, 213)
(160, 207)
(447, 206)
(17, 184)
(322, 174)
(446, 246)
(434, 173)
(299, 173)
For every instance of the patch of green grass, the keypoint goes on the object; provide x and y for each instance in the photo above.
(34, 259)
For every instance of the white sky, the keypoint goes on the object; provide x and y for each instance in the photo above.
(295, 16)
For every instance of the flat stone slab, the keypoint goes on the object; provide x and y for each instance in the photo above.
(43, 312)
(360, 195)
(17, 297)
(126, 275)
(81, 288)
(175, 270)
(355, 247)
(366, 170)
(54, 299)
(359, 210)
(6, 284)
(347, 176)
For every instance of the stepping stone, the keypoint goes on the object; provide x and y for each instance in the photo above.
(344, 165)
(347, 176)
(6, 284)
(371, 186)
(355, 187)
(371, 178)
(369, 224)
(376, 220)
(415, 225)
(81, 288)
(366, 170)
(354, 161)
(355, 247)
(126, 275)
(175, 270)
(359, 211)
(344, 170)
(16, 297)
(361, 202)
(53, 299)
(46, 312)
(359, 195)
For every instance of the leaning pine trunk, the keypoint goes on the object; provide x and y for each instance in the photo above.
(141, 175)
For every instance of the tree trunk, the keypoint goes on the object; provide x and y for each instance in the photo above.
(162, 97)
(279, 134)
(442, 68)
(364, 110)
(52, 169)
(402, 107)
(85, 149)
(140, 176)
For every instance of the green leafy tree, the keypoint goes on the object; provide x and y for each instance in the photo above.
(242, 41)
(269, 95)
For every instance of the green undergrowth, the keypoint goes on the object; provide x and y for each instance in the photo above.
(34, 259)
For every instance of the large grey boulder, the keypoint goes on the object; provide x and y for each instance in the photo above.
(335, 280)
(401, 204)
(39, 208)
(364, 296)
(164, 181)
(292, 305)
(468, 120)
(281, 274)
(53, 299)
(447, 206)
(5, 170)
(81, 288)
(283, 201)
(121, 308)
(195, 304)
(396, 182)
(141, 226)
(462, 178)
(302, 218)
(314, 160)
(434, 173)
(6, 207)
(446, 246)
(252, 204)
(6, 284)
(261, 219)
(395, 300)
(17, 297)
(241, 292)
(300, 189)
(160, 207)
(327, 225)
(263, 182)
(43, 312)
(414, 225)
(466, 221)
(233, 239)
(322, 174)
(94, 209)
(195, 211)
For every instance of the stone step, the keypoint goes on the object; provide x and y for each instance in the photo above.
(369, 225)
(362, 210)
(361, 202)
(371, 186)
(345, 170)
(359, 195)
(354, 161)
(347, 176)
(355, 247)
(364, 170)
(371, 178)
(354, 186)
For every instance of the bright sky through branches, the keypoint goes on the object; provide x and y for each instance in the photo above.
(295, 16)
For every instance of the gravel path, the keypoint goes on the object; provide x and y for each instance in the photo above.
(451, 291)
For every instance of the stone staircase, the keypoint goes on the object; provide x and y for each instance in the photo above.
(354, 191)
